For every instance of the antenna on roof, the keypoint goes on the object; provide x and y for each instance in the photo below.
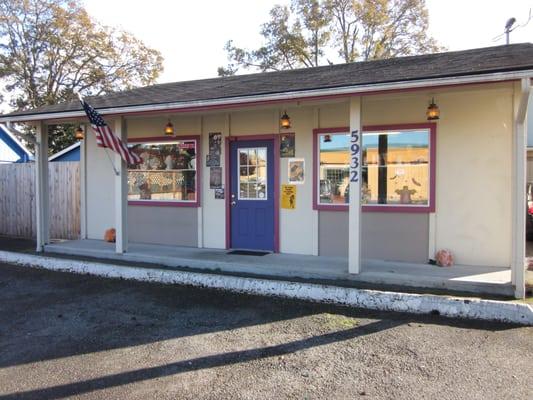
(510, 26)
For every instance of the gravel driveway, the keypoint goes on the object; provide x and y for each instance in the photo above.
(71, 336)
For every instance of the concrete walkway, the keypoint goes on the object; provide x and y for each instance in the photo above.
(471, 279)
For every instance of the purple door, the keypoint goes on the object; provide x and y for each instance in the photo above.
(252, 194)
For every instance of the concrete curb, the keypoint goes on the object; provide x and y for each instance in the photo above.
(455, 307)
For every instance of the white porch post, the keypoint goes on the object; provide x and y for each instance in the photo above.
(83, 184)
(121, 192)
(354, 213)
(42, 212)
(518, 274)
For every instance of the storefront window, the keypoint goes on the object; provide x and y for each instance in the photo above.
(334, 168)
(395, 168)
(167, 173)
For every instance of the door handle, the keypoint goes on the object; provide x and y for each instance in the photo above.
(233, 203)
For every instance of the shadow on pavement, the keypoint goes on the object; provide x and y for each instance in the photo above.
(105, 382)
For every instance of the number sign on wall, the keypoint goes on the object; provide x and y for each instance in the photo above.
(354, 156)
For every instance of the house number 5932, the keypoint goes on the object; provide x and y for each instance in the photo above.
(354, 154)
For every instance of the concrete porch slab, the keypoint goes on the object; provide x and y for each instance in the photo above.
(472, 279)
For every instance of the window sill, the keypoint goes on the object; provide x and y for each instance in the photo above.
(382, 209)
(153, 203)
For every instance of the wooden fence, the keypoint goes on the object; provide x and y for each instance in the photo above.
(17, 200)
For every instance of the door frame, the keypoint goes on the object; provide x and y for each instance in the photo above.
(227, 156)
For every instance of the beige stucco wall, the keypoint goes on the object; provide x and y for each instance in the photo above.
(100, 190)
(474, 149)
(473, 203)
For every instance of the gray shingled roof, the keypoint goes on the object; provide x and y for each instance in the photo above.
(451, 64)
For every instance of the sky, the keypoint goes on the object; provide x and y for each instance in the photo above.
(191, 34)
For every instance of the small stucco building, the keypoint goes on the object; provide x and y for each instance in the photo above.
(232, 177)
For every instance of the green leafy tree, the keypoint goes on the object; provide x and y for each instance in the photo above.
(52, 49)
(287, 44)
(310, 32)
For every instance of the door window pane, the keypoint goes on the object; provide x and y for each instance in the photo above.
(253, 173)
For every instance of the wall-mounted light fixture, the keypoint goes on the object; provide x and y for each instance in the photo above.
(169, 129)
(433, 112)
(285, 121)
(78, 133)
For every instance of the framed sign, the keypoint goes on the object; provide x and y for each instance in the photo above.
(296, 171)
(215, 177)
(288, 197)
(215, 148)
(219, 193)
(286, 145)
(212, 160)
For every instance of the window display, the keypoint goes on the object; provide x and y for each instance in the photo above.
(334, 167)
(395, 168)
(167, 173)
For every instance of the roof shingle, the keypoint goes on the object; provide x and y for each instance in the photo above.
(431, 66)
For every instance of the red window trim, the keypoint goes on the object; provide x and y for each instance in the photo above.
(385, 207)
(175, 203)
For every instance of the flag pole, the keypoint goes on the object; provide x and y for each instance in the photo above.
(117, 173)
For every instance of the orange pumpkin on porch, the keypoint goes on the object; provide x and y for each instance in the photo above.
(110, 235)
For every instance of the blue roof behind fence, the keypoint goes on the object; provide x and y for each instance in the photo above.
(11, 150)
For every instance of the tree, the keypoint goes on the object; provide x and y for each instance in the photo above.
(311, 31)
(288, 44)
(52, 49)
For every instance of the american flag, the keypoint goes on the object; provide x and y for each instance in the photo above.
(106, 138)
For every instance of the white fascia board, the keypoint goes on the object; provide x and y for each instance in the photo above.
(59, 154)
(285, 96)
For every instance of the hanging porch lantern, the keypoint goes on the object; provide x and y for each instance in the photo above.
(285, 121)
(433, 112)
(78, 133)
(169, 129)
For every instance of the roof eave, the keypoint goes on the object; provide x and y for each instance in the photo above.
(232, 102)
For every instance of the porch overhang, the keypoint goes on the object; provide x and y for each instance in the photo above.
(274, 98)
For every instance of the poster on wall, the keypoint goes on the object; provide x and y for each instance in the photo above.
(215, 177)
(215, 143)
(296, 171)
(212, 160)
(288, 197)
(219, 193)
(286, 145)
(215, 148)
